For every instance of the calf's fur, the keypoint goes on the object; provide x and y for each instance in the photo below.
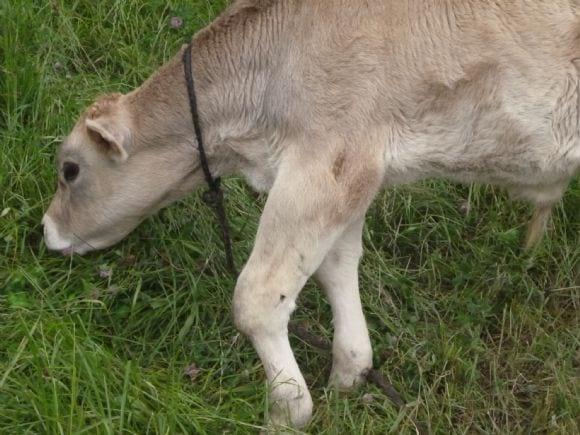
(321, 103)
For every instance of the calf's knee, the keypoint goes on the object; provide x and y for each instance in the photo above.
(259, 308)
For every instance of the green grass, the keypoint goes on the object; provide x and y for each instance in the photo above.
(478, 336)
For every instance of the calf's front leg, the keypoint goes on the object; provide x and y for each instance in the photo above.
(306, 212)
(338, 275)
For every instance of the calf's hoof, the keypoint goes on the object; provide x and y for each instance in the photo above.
(294, 412)
(346, 381)
(349, 373)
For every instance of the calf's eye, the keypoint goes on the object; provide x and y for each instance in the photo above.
(70, 171)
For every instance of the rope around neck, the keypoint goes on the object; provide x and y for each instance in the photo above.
(214, 196)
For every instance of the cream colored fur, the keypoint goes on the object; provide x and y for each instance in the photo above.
(322, 103)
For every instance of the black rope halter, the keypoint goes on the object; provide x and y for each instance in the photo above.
(214, 196)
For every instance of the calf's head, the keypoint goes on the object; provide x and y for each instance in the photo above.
(109, 180)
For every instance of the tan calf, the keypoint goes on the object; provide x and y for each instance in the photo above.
(322, 103)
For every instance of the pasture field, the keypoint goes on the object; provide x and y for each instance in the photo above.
(477, 335)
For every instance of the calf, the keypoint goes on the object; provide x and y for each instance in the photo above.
(321, 103)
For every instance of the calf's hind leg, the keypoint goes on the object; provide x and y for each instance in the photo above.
(543, 198)
(338, 275)
(537, 225)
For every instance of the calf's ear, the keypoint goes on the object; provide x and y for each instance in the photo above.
(108, 127)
